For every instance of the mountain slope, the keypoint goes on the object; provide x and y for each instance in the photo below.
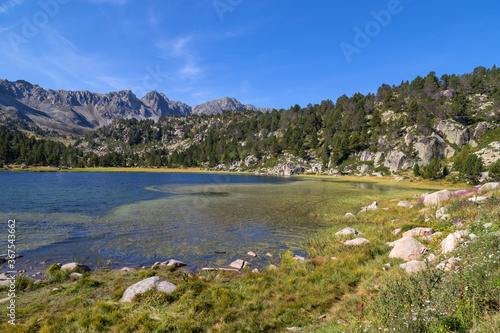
(77, 112)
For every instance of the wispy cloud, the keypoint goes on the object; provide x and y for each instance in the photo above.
(181, 50)
(9, 4)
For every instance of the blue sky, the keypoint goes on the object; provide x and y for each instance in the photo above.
(270, 53)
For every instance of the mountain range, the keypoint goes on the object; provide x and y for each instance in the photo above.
(77, 112)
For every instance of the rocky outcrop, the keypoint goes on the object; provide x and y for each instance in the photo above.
(490, 154)
(453, 132)
(395, 161)
(292, 168)
(428, 147)
(408, 249)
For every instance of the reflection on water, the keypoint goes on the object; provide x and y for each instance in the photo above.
(183, 220)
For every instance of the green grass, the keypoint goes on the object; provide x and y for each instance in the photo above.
(356, 292)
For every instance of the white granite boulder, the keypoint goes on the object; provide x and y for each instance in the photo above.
(408, 249)
(146, 285)
(418, 232)
(346, 232)
(436, 197)
(357, 241)
(413, 266)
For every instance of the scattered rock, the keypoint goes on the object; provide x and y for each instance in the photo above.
(346, 232)
(349, 215)
(146, 285)
(396, 232)
(413, 266)
(472, 236)
(269, 255)
(4, 283)
(255, 270)
(40, 319)
(461, 233)
(272, 267)
(251, 254)
(477, 198)
(431, 257)
(75, 276)
(73, 266)
(322, 317)
(334, 258)
(299, 258)
(405, 204)
(239, 264)
(488, 225)
(373, 206)
(127, 269)
(408, 248)
(449, 243)
(175, 263)
(223, 269)
(436, 198)
(431, 237)
(442, 214)
(448, 265)
(357, 241)
(487, 187)
(3, 300)
(418, 232)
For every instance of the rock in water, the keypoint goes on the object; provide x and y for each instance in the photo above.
(408, 249)
(239, 264)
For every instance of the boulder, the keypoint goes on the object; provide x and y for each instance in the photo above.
(436, 198)
(166, 287)
(251, 254)
(481, 128)
(146, 285)
(418, 232)
(408, 248)
(373, 206)
(395, 161)
(346, 232)
(404, 204)
(453, 132)
(413, 266)
(488, 187)
(269, 255)
(75, 276)
(357, 241)
(175, 263)
(449, 243)
(239, 264)
(299, 258)
(349, 215)
(73, 266)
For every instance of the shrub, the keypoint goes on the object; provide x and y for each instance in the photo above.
(495, 171)
(471, 168)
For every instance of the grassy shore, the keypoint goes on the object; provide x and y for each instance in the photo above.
(338, 289)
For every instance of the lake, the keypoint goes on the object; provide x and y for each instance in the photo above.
(135, 219)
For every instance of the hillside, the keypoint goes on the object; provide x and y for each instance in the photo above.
(416, 122)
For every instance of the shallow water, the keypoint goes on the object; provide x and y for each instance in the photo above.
(138, 218)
